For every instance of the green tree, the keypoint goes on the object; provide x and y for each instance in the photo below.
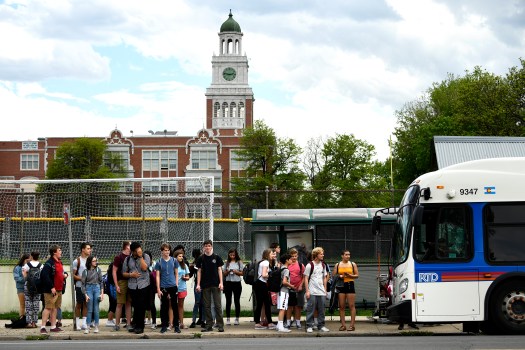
(270, 162)
(476, 104)
(83, 159)
(345, 164)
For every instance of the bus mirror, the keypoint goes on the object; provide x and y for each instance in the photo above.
(426, 193)
(417, 216)
(376, 225)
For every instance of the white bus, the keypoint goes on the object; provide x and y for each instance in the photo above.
(458, 251)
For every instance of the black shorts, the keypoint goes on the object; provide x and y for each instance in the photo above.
(292, 298)
(80, 297)
(347, 288)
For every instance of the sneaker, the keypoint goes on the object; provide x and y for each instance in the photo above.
(176, 330)
(199, 322)
(284, 330)
(168, 328)
(117, 328)
(92, 325)
(83, 327)
(59, 324)
(125, 325)
(110, 323)
(324, 329)
(228, 323)
(236, 322)
(221, 330)
(86, 331)
(95, 330)
(163, 330)
(56, 330)
(153, 326)
(309, 330)
(131, 329)
(272, 326)
(215, 325)
(192, 325)
(298, 325)
(43, 330)
(207, 330)
(260, 326)
(147, 322)
(138, 330)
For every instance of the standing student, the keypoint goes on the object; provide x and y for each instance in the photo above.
(121, 286)
(296, 297)
(232, 284)
(167, 287)
(52, 277)
(197, 314)
(262, 296)
(79, 265)
(183, 277)
(347, 272)
(92, 286)
(286, 286)
(315, 280)
(18, 276)
(151, 308)
(135, 269)
(32, 297)
(209, 280)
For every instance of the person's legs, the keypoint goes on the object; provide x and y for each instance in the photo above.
(320, 311)
(180, 304)
(21, 304)
(310, 308)
(175, 308)
(216, 295)
(90, 291)
(259, 301)
(206, 299)
(164, 309)
(351, 306)
(96, 304)
(228, 294)
(237, 291)
(342, 309)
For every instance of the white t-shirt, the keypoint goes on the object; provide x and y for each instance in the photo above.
(264, 263)
(33, 264)
(316, 280)
(80, 269)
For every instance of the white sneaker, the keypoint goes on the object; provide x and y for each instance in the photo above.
(228, 323)
(284, 330)
(298, 325)
(86, 331)
(324, 329)
(272, 326)
(309, 330)
(153, 326)
(110, 323)
(236, 322)
(96, 329)
(147, 322)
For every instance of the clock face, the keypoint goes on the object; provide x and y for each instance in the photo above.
(229, 73)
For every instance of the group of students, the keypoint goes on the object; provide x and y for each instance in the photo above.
(302, 284)
(133, 281)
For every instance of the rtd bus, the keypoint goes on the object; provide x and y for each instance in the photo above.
(458, 252)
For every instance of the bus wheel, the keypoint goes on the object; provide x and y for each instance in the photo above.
(509, 308)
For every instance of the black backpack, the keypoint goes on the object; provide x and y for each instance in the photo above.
(33, 282)
(249, 273)
(275, 280)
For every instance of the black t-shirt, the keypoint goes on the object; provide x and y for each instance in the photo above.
(209, 269)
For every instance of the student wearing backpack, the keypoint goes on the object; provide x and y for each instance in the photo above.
(262, 295)
(121, 286)
(79, 265)
(167, 270)
(92, 287)
(52, 281)
(286, 287)
(20, 281)
(315, 280)
(31, 272)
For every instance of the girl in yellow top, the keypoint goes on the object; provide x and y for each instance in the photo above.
(347, 272)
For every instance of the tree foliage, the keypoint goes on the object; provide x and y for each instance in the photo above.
(270, 162)
(476, 104)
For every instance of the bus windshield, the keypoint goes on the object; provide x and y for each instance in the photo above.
(401, 239)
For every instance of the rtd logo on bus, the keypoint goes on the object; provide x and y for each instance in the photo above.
(425, 277)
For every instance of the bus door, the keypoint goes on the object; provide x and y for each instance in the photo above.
(445, 283)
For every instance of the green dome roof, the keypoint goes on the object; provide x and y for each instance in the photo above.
(230, 25)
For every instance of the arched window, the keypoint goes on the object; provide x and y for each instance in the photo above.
(233, 110)
(230, 46)
(241, 110)
(225, 109)
(216, 110)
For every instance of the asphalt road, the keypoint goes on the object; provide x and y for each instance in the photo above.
(361, 343)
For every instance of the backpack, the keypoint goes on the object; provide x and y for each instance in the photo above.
(275, 280)
(109, 274)
(17, 322)
(249, 273)
(33, 283)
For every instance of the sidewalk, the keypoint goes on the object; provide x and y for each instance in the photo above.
(363, 327)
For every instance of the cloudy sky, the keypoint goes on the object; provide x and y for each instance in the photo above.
(317, 68)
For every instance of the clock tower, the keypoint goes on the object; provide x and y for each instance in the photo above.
(229, 99)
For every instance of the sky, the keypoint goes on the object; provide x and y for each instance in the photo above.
(317, 68)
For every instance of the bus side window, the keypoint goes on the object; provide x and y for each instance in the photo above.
(452, 236)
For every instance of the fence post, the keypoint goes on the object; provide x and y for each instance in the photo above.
(240, 235)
